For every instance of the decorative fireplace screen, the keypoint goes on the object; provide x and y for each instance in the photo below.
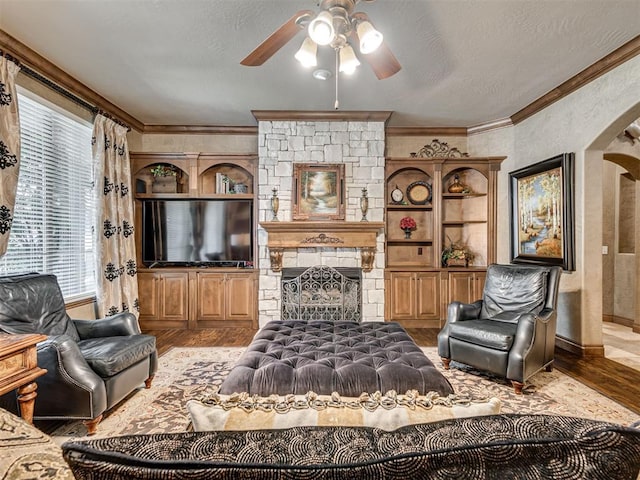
(321, 293)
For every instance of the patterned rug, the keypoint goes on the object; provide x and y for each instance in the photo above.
(186, 373)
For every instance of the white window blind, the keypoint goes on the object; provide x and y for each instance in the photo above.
(54, 213)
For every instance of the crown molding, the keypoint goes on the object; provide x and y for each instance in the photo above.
(425, 131)
(328, 115)
(489, 126)
(199, 129)
(25, 55)
(602, 66)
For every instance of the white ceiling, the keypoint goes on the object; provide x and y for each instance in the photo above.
(177, 62)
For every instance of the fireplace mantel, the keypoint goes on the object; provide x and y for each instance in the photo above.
(310, 234)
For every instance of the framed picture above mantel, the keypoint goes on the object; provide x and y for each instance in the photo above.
(318, 192)
(542, 213)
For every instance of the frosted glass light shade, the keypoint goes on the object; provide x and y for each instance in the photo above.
(321, 28)
(370, 38)
(306, 55)
(348, 60)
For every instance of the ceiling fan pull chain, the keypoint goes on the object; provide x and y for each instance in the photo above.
(337, 104)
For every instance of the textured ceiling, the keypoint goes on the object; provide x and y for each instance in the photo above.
(177, 62)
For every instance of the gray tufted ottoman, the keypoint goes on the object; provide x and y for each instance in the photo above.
(325, 357)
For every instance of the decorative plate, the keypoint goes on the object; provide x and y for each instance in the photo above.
(419, 193)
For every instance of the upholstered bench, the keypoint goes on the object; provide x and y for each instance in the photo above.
(350, 358)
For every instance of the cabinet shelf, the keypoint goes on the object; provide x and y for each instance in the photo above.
(462, 222)
(161, 196)
(226, 196)
(409, 207)
(409, 241)
(457, 196)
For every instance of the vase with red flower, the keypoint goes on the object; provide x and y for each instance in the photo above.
(407, 224)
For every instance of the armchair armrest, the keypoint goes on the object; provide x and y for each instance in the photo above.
(530, 327)
(456, 312)
(124, 323)
(459, 311)
(60, 354)
(70, 388)
(545, 315)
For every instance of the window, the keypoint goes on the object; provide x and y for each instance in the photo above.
(54, 212)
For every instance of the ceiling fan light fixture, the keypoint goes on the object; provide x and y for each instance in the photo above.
(306, 55)
(370, 38)
(348, 60)
(321, 74)
(321, 28)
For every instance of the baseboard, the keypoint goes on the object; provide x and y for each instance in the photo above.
(582, 350)
(626, 322)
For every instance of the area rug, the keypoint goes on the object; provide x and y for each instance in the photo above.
(187, 373)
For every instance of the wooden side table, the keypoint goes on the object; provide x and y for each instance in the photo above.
(19, 369)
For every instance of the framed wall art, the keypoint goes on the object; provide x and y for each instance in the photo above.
(318, 192)
(542, 213)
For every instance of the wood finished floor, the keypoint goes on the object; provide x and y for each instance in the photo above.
(606, 376)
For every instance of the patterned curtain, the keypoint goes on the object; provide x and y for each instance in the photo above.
(116, 269)
(9, 148)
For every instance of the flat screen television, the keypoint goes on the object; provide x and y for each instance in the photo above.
(197, 232)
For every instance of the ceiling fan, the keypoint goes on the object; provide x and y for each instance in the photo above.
(338, 26)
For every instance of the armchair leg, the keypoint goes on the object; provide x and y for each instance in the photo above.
(517, 386)
(445, 362)
(549, 368)
(92, 425)
(147, 382)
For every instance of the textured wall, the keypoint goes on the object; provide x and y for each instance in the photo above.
(584, 122)
(197, 143)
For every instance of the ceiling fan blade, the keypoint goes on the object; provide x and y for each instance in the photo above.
(276, 41)
(383, 62)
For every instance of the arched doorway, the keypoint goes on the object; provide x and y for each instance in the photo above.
(621, 251)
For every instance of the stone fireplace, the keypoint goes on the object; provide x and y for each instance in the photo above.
(355, 139)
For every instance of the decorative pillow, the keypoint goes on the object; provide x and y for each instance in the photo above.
(27, 453)
(242, 411)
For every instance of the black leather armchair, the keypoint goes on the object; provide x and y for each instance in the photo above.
(511, 330)
(91, 364)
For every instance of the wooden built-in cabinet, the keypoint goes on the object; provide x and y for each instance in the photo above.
(164, 300)
(413, 298)
(225, 299)
(465, 287)
(418, 285)
(196, 295)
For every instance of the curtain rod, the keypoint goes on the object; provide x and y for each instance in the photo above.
(62, 91)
